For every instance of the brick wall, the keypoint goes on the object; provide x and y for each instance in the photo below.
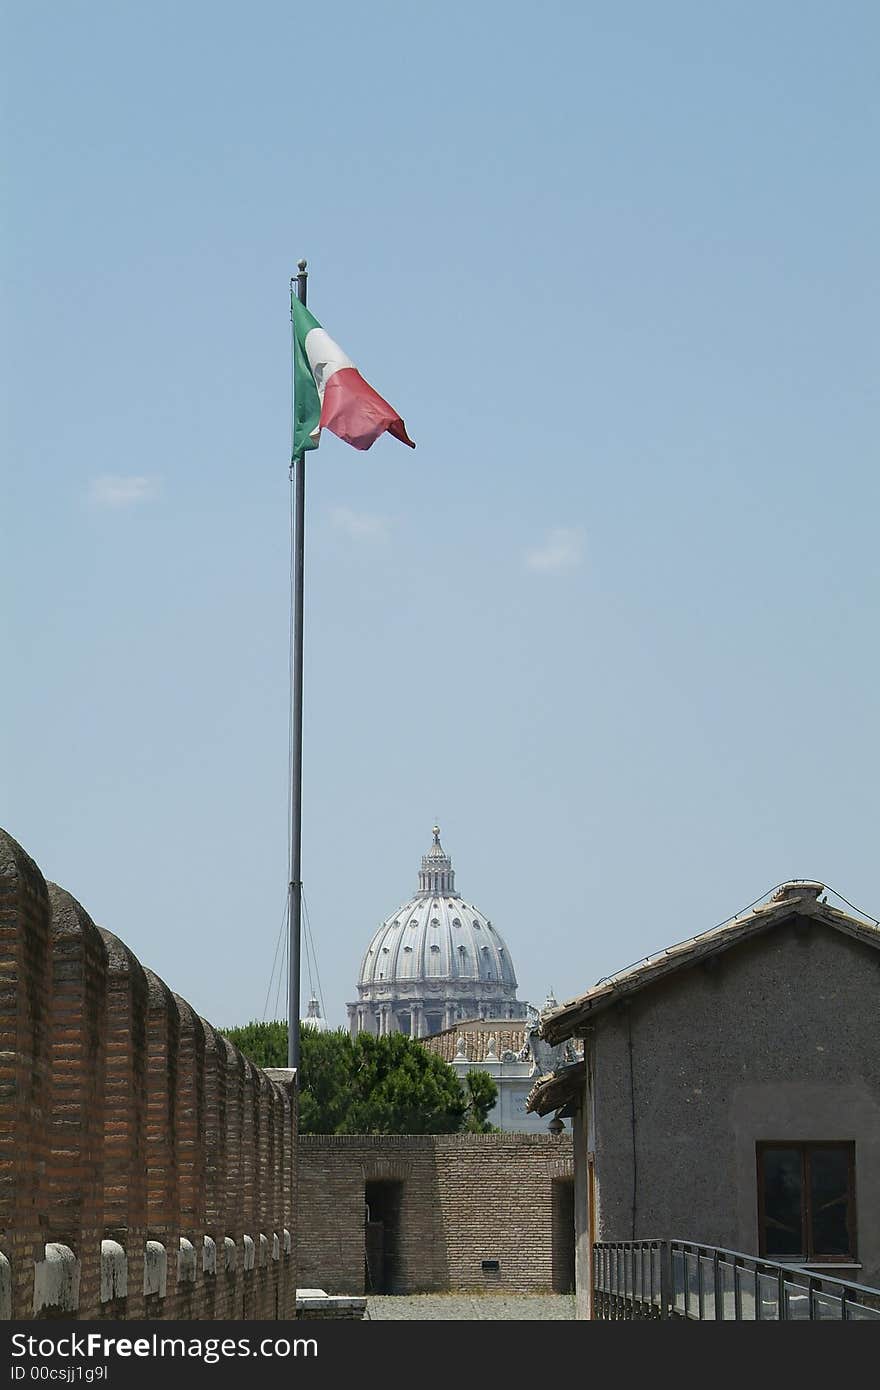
(463, 1199)
(146, 1167)
(24, 1067)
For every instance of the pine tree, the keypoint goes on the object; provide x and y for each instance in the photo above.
(368, 1085)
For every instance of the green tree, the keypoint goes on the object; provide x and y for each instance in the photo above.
(481, 1093)
(367, 1085)
(264, 1043)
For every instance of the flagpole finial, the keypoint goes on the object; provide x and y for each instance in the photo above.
(301, 265)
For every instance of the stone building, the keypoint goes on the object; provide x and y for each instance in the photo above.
(434, 961)
(730, 1092)
(514, 1054)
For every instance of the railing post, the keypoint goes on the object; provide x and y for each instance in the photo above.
(780, 1284)
(665, 1279)
(737, 1292)
(719, 1292)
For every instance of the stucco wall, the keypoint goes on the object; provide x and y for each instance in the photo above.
(465, 1198)
(778, 1039)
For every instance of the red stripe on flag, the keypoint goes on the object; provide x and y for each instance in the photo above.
(356, 413)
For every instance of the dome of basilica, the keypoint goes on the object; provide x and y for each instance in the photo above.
(434, 961)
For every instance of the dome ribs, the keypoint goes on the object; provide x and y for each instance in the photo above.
(434, 961)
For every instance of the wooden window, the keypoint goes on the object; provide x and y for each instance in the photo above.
(806, 1201)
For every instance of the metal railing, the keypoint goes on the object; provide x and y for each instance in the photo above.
(681, 1279)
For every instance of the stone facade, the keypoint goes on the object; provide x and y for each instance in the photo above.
(512, 1054)
(450, 1203)
(146, 1166)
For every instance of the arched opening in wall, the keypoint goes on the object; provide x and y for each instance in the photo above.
(404, 1023)
(382, 1236)
(433, 1022)
(563, 1235)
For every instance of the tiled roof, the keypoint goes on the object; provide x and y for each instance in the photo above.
(797, 898)
(509, 1037)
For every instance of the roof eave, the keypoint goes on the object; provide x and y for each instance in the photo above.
(556, 1089)
(574, 1017)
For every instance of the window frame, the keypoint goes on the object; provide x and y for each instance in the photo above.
(806, 1147)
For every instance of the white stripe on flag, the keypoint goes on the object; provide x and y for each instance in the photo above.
(325, 358)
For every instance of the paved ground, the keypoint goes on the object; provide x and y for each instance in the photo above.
(470, 1307)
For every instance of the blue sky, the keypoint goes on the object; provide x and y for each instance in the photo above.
(613, 623)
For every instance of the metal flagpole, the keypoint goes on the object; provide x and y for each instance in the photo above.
(294, 889)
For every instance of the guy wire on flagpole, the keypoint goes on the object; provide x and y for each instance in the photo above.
(297, 470)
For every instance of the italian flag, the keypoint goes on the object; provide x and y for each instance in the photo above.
(330, 393)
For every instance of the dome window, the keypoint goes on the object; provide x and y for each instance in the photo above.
(484, 949)
(456, 921)
(462, 950)
(476, 926)
(435, 947)
(385, 950)
(408, 948)
(435, 921)
(414, 923)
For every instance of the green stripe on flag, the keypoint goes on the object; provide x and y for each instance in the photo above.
(306, 403)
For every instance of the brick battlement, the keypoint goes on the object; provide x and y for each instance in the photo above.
(146, 1166)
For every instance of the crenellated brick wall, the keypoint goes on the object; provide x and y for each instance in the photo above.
(146, 1166)
(459, 1200)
